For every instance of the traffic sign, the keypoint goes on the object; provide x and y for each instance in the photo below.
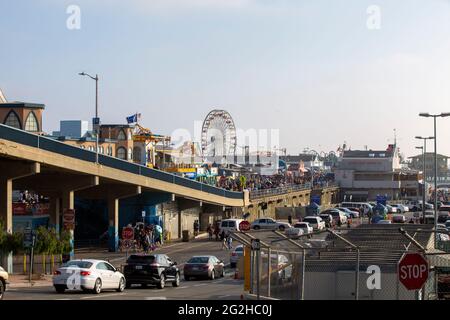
(244, 225)
(28, 238)
(256, 245)
(413, 271)
(127, 233)
(69, 219)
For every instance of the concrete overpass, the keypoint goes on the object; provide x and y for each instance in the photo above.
(60, 171)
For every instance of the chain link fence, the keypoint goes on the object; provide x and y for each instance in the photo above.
(346, 264)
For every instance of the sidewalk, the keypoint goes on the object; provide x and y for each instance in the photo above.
(22, 281)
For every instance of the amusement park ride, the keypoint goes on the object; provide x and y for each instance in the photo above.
(149, 141)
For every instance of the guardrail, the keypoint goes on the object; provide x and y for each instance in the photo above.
(277, 191)
(51, 145)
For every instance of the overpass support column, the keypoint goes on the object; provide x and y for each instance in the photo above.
(15, 170)
(55, 209)
(68, 189)
(68, 203)
(114, 195)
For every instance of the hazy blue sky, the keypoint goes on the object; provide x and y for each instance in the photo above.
(309, 68)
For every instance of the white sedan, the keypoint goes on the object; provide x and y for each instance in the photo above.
(88, 275)
(300, 228)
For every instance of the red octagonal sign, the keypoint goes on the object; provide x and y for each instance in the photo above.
(413, 271)
(244, 225)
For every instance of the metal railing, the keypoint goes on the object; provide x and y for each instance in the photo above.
(51, 145)
(277, 191)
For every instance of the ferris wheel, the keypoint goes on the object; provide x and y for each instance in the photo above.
(218, 134)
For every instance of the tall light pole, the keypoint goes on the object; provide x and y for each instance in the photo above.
(424, 151)
(434, 116)
(96, 122)
(423, 186)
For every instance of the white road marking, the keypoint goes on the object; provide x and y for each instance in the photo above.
(182, 287)
(64, 299)
(224, 296)
(103, 296)
(155, 298)
(199, 285)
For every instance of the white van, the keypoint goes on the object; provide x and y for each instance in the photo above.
(230, 225)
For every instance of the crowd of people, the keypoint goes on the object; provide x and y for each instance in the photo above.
(146, 238)
(259, 182)
(30, 197)
(224, 236)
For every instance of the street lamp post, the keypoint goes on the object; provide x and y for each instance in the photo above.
(96, 122)
(434, 116)
(424, 150)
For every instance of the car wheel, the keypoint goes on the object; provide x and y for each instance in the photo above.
(122, 285)
(162, 282)
(98, 286)
(232, 265)
(222, 274)
(2, 289)
(213, 275)
(256, 227)
(176, 282)
(281, 228)
(60, 289)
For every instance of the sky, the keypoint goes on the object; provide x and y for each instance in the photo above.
(316, 70)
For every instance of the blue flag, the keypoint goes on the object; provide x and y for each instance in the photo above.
(133, 118)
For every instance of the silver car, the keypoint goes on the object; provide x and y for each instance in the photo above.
(235, 255)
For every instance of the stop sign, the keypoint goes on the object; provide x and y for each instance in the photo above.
(244, 225)
(413, 271)
(127, 233)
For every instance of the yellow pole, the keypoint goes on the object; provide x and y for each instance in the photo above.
(43, 264)
(247, 279)
(24, 263)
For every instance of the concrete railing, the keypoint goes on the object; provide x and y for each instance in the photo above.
(51, 145)
(278, 191)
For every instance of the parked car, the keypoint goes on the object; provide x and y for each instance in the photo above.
(401, 208)
(228, 225)
(3, 281)
(364, 207)
(447, 224)
(349, 213)
(357, 212)
(280, 263)
(443, 216)
(328, 219)
(384, 222)
(300, 228)
(270, 224)
(314, 221)
(94, 275)
(235, 255)
(398, 218)
(338, 216)
(203, 266)
(151, 269)
(391, 209)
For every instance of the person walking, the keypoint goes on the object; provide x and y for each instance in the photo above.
(217, 231)
(224, 240)
(210, 231)
(229, 242)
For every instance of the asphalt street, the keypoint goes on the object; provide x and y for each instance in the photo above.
(218, 289)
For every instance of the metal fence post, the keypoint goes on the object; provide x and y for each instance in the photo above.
(258, 274)
(302, 286)
(357, 275)
(252, 273)
(269, 252)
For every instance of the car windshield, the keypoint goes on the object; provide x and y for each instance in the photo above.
(300, 225)
(310, 220)
(141, 259)
(79, 264)
(239, 249)
(198, 260)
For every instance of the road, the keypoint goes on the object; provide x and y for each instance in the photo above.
(219, 289)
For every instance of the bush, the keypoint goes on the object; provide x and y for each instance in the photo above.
(10, 242)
